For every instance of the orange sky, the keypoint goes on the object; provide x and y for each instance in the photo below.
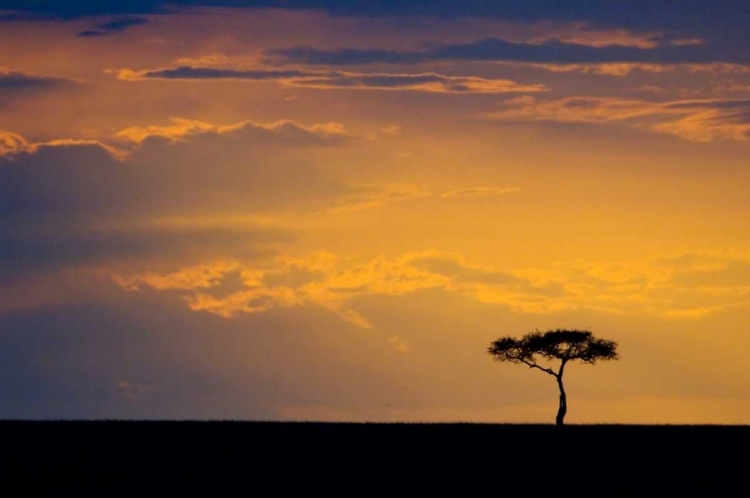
(202, 222)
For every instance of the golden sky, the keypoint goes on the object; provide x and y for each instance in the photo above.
(307, 214)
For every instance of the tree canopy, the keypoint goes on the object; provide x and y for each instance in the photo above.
(559, 344)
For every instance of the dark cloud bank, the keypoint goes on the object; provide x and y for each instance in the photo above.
(494, 49)
(16, 80)
(687, 12)
(112, 27)
(68, 204)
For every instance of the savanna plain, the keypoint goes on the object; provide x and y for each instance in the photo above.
(106, 458)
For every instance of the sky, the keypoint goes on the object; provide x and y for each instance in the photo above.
(328, 210)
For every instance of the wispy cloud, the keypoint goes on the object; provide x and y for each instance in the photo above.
(696, 120)
(181, 129)
(328, 284)
(423, 82)
(13, 80)
(480, 191)
(685, 286)
(210, 73)
(12, 144)
(112, 27)
(368, 197)
(547, 50)
(364, 197)
(626, 68)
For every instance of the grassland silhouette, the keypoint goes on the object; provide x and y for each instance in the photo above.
(172, 458)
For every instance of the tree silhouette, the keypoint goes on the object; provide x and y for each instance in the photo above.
(563, 345)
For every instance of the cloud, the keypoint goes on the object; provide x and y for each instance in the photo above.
(202, 276)
(16, 85)
(12, 143)
(70, 203)
(321, 279)
(730, 272)
(689, 286)
(17, 80)
(112, 26)
(693, 313)
(480, 191)
(246, 301)
(695, 120)
(688, 22)
(582, 34)
(19, 16)
(227, 277)
(370, 196)
(650, 89)
(578, 109)
(122, 23)
(622, 69)
(392, 130)
(181, 129)
(170, 190)
(707, 124)
(72, 243)
(494, 49)
(454, 267)
(424, 82)
(209, 73)
(687, 41)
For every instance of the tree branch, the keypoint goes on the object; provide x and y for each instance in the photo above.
(531, 364)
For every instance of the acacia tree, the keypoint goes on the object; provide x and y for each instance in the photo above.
(563, 345)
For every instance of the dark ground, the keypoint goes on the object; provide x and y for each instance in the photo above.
(110, 458)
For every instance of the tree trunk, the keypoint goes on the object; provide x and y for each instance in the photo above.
(563, 408)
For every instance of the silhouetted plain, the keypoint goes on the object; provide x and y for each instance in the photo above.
(165, 459)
